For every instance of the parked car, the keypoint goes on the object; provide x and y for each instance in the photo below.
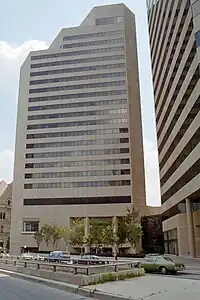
(89, 260)
(41, 257)
(161, 264)
(58, 257)
(27, 256)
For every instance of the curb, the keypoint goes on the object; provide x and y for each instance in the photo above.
(70, 288)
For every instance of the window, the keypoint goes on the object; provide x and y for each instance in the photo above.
(78, 78)
(79, 114)
(79, 143)
(78, 153)
(2, 216)
(77, 133)
(77, 86)
(196, 8)
(191, 173)
(78, 104)
(75, 201)
(72, 62)
(80, 95)
(197, 35)
(151, 259)
(72, 70)
(94, 43)
(9, 202)
(77, 184)
(30, 226)
(2, 229)
(78, 174)
(79, 52)
(77, 123)
(80, 163)
(109, 20)
(92, 35)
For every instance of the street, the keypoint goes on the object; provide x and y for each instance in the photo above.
(18, 289)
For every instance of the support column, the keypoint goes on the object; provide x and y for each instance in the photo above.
(190, 225)
(87, 232)
(115, 249)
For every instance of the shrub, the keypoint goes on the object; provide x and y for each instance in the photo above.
(116, 276)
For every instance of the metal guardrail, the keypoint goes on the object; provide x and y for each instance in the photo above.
(68, 268)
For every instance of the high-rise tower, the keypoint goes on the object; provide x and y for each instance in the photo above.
(79, 149)
(174, 29)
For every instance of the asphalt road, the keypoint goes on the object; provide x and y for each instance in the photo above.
(17, 289)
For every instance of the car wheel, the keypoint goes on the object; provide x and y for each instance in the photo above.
(163, 270)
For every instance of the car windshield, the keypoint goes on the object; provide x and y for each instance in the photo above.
(168, 259)
(65, 253)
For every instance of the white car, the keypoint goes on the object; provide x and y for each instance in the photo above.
(27, 256)
(40, 257)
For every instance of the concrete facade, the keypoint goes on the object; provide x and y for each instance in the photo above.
(5, 216)
(79, 150)
(174, 30)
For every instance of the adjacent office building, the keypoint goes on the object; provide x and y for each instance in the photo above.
(5, 215)
(79, 150)
(174, 29)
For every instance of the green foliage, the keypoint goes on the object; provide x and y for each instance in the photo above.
(108, 277)
(101, 233)
(47, 232)
(122, 232)
(66, 235)
(56, 234)
(77, 232)
(133, 226)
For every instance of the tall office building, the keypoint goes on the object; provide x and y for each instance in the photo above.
(79, 150)
(174, 29)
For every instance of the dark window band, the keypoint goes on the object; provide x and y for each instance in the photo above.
(78, 104)
(78, 123)
(77, 86)
(92, 35)
(78, 153)
(79, 184)
(191, 173)
(72, 70)
(182, 156)
(188, 121)
(77, 133)
(78, 78)
(80, 95)
(77, 201)
(71, 62)
(79, 52)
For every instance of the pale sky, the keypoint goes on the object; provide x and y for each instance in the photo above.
(26, 26)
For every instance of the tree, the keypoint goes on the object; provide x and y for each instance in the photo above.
(77, 232)
(134, 233)
(133, 226)
(66, 235)
(95, 233)
(108, 235)
(121, 233)
(47, 230)
(38, 236)
(88, 238)
(56, 234)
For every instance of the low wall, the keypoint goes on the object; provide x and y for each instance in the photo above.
(58, 275)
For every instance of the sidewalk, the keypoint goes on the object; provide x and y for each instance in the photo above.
(152, 288)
